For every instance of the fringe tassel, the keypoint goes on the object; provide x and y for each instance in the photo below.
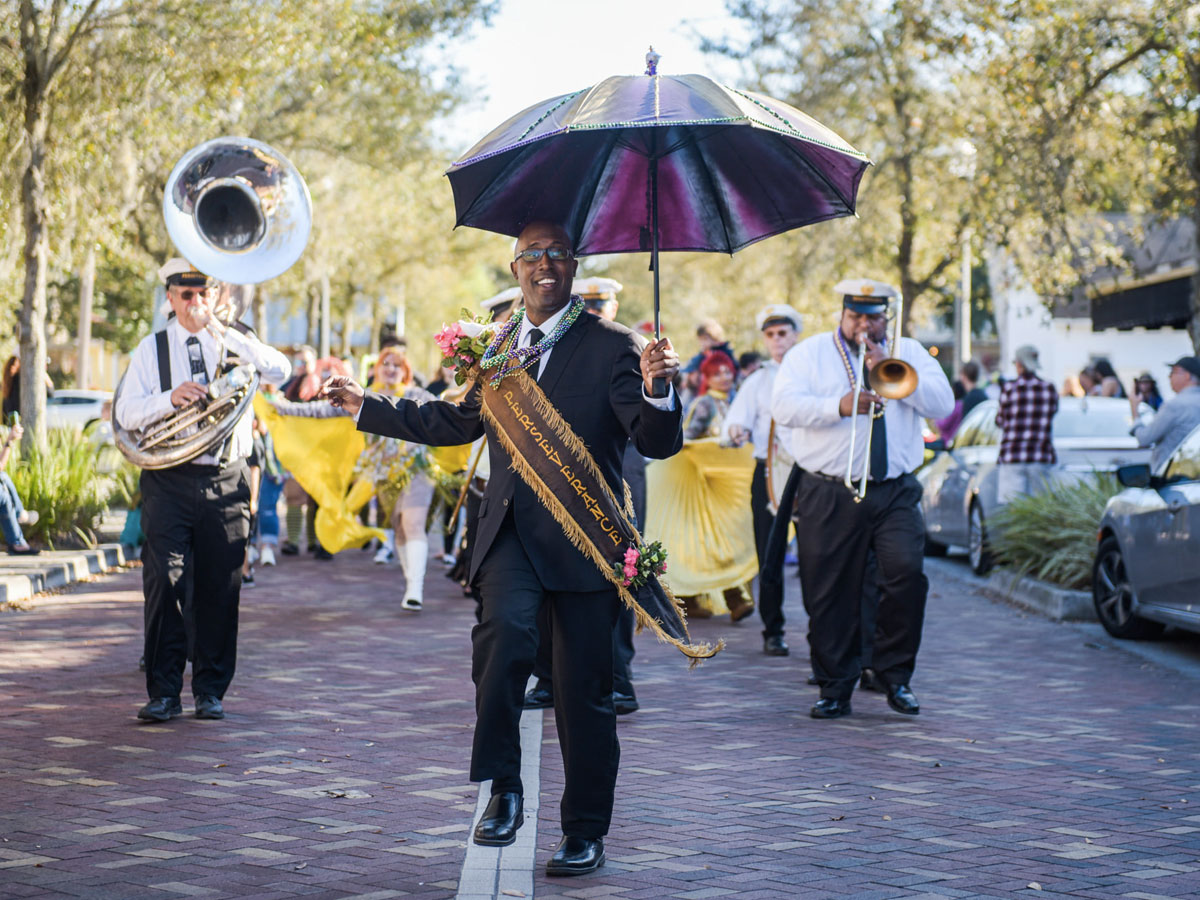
(575, 534)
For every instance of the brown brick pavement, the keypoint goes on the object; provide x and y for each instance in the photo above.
(1042, 758)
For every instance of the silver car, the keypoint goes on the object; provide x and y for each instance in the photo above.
(1147, 569)
(1090, 434)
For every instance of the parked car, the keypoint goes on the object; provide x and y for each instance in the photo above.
(1146, 574)
(1090, 434)
(76, 408)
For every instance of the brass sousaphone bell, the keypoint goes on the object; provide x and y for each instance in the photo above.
(239, 212)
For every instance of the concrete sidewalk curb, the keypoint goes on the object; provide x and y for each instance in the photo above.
(23, 576)
(1054, 602)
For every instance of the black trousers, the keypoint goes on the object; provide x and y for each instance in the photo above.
(504, 647)
(623, 651)
(770, 604)
(836, 535)
(197, 521)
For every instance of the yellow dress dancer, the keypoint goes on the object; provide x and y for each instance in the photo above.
(403, 475)
(698, 505)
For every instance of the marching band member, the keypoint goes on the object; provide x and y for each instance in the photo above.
(749, 419)
(196, 515)
(813, 394)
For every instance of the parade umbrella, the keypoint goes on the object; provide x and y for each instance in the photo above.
(651, 162)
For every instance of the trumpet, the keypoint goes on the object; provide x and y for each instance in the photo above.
(892, 379)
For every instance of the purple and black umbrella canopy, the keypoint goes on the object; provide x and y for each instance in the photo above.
(719, 168)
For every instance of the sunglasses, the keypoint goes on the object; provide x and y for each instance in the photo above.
(557, 254)
(187, 294)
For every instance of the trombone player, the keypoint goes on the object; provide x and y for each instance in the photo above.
(195, 514)
(857, 450)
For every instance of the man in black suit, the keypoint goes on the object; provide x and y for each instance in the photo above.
(600, 384)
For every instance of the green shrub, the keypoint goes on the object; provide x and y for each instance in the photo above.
(62, 482)
(1052, 535)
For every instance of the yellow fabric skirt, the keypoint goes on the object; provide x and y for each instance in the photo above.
(698, 505)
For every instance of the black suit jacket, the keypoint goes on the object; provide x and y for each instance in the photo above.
(593, 379)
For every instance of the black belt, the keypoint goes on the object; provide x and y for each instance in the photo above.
(841, 479)
(196, 470)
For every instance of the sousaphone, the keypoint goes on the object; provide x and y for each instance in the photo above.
(239, 212)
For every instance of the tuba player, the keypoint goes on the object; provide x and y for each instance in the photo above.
(196, 515)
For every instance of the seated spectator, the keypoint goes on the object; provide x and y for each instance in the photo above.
(1145, 389)
(12, 513)
(1089, 382)
(1110, 384)
(1176, 418)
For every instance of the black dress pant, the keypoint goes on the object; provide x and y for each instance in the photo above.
(197, 521)
(770, 603)
(504, 647)
(835, 537)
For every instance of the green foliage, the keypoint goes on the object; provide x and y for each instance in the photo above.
(61, 481)
(1052, 535)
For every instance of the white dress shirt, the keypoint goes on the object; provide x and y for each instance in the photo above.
(811, 382)
(142, 402)
(666, 403)
(751, 409)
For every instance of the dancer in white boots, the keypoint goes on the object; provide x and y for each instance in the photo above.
(403, 481)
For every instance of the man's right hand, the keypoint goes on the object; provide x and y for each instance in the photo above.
(738, 435)
(865, 399)
(344, 392)
(187, 392)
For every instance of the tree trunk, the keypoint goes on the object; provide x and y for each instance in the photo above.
(87, 290)
(347, 329)
(376, 323)
(323, 350)
(37, 251)
(313, 330)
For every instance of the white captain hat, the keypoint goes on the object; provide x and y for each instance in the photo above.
(508, 295)
(596, 288)
(776, 314)
(865, 295)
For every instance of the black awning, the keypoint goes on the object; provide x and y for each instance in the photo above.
(1165, 304)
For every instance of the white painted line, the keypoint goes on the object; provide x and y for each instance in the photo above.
(488, 872)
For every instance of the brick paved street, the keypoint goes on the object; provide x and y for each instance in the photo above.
(1044, 763)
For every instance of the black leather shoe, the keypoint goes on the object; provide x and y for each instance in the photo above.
(289, 549)
(870, 681)
(209, 707)
(322, 553)
(576, 856)
(624, 704)
(539, 698)
(160, 709)
(812, 679)
(902, 700)
(775, 646)
(505, 813)
(828, 708)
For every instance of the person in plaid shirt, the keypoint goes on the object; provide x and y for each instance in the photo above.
(1027, 408)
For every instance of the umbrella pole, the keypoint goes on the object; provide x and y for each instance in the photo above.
(658, 387)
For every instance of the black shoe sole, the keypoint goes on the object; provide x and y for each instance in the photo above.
(562, 872)
(902, 710)
(166, 718)
(491, 842)
(210, 715)
(823, 715)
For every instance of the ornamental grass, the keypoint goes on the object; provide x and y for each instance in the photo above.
(63, 483)
(1052, 535)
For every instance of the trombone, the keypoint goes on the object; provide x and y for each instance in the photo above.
(892, 379)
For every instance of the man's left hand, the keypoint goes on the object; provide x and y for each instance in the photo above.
(659, 360)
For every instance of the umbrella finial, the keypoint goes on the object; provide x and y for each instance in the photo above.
(652, 59)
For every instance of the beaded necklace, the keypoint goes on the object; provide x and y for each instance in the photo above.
(844, 353)
(502, 352)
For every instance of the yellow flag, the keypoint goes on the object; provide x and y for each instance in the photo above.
(320, 454)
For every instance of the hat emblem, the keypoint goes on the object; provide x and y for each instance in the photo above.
(868, 289)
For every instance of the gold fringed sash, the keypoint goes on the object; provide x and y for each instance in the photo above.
(556, 464)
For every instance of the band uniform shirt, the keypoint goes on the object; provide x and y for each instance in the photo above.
(142, 402)
(1172, 423)
(751, 409)
(1027, 408)
(809, 387)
